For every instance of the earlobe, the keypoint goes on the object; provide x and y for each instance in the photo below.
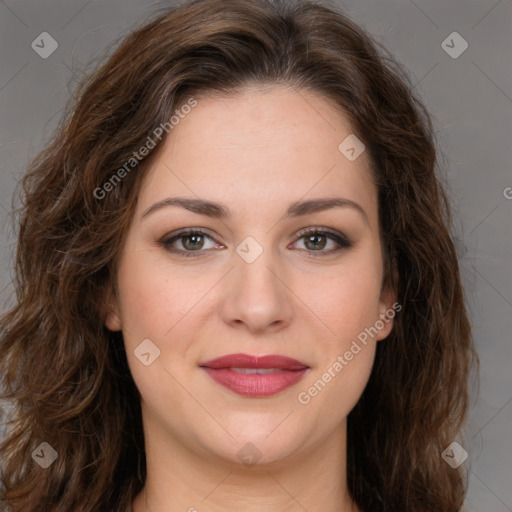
(388, 307)
(386, 319)
(110, 309)
(112, 318)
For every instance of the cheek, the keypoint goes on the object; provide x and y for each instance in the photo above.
(153, 310)
(336, 388)
(348, 305)
(346, 360)
(150, 307)
(152, 300)
(347, 302)
(166, 305)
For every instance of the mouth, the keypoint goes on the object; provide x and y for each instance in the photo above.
(253, 376)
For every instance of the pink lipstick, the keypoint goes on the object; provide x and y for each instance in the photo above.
(254, 376)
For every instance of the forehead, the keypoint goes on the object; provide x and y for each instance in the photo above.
(259, 146)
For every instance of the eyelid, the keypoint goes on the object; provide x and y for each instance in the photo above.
(339, 238)
(342, 241)
(169, 238)
(324, 231)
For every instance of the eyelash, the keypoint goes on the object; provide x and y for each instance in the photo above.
(342, 241)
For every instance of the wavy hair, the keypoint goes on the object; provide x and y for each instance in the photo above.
(67, 376)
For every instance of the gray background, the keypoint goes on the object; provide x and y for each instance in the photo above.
(470, 98)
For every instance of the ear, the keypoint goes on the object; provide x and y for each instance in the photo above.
(110, 311)
(388, 307)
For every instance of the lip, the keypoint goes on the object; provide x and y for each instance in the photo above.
(289, 372)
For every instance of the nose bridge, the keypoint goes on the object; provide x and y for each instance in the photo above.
(253, 268)
(257, 296)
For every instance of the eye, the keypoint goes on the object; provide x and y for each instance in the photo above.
(316, 239)
(192, 240)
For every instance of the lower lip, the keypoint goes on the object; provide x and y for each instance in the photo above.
(254, 384)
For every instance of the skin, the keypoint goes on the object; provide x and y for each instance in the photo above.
(256, 152)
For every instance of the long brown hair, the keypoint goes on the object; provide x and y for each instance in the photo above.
(67, 375)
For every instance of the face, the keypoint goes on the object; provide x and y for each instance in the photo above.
(266, 271)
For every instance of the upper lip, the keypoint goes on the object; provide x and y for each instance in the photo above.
(248, 361)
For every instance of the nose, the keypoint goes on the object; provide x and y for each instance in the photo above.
(258, 296)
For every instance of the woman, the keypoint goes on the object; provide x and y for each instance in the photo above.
(236, 281)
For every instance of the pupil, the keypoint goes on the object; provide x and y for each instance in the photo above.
(189, 237)
(312, 237)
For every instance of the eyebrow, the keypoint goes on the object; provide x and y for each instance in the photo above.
(220, 211)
